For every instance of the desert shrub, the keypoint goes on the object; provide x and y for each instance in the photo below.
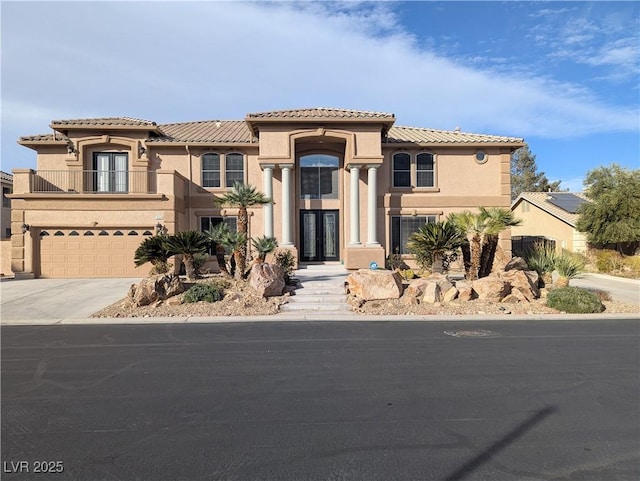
(609, 260)
(632, 265)
(568, 264)
(541, 258)
(199, 260)
(394, 261)
(210, 292)
(161, 267)
(284, 258)
(407, 274)
(574, 300)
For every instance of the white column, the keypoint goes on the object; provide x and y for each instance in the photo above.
(267, 187)
(355, 205)
(286, 205)
(371, 206)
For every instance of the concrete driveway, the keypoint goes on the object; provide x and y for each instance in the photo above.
(619, 288)
(39, 299)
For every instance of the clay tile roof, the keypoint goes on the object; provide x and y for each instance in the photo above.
(544, 201)
(320, 113)
(42, 138)
(433, 136)
(6, 177)
(219, 131)
(105, 121)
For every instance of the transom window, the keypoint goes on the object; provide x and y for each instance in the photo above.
(110, 172)
(214, 176)
(402, 227)
(319, 176)
(413, 171)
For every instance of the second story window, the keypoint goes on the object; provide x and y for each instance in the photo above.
(234, 169)
(425, 170)
(401, 170)
(6, 202)
(110, 172)
(413, 170)
(211, 170)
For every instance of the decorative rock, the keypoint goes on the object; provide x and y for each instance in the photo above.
(443, 281)
(523, 282)
(432, 293)
(375, 284)
(267, 279)
(416, 288)
(450, 295)
(465, 290)
(517, 263)
(156, 288)
(491, 288)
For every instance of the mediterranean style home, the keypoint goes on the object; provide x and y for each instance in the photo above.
(347, 186)
(550, 216)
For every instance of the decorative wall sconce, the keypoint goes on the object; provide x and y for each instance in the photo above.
(159, 228)
(25, 228)
(141, 150)
(71, 149)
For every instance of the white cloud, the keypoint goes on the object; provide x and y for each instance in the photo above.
(189, 61)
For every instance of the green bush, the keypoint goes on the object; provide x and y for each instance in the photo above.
(569, 265)
(284, 258)
(161, 267)
(574, 301)
(609, 261)
(211, 292)
(407, 274)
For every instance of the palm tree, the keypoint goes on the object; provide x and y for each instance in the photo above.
(474, 226)
(217, 235)
(188, 244)
(153, 250)
(498, 219)
(264, 245)
(242, 196)
(434, 240)
(236, 242)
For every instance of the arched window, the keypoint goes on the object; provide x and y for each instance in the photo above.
(132, 232)
(147, 233)
(211, 170)
(103, 232)
(234, 169)
(88, 233)
(73, 232)
(43, 233)
(118, 233)
(58, 233)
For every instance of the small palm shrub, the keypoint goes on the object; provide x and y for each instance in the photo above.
(568, 265)
(574, 301)
(210, 292)
(161, 267)
(284, 258)
(264, 245)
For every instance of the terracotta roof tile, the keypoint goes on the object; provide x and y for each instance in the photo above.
(42, 138)
(320, 113)
(223, 131)
(105, 121)
(6, 177)
(541, 200)
(433, 136)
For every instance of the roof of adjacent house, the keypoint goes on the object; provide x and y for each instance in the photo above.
(244, 131)
(562, 205)
(6, 177)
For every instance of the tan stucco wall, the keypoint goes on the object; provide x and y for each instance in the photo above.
(537, 222)
(5, 253)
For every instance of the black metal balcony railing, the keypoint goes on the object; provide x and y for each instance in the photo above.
(93, 181)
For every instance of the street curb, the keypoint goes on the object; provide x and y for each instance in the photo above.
(316, 317)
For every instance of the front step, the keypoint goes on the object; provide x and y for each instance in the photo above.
(321, 288)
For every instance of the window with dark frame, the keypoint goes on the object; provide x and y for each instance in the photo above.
(401, 170)
(209, 222)
(210, 170)
(234, 169)
(425, 170)
(6, 202)
(319, 176)
(402, 227)
(111, 172)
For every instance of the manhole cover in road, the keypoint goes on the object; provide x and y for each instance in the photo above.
(477, 333)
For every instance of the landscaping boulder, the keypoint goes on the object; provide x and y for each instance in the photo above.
(267, 279)
(155, 288)
(517, 263)
(524, 282)
(432, 293)
(450, 295)
(415, 290)
(465, 290)
(375, 284)
(491, 288)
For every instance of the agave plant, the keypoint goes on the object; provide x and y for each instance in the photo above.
(542, 259)
(568, 265)
(264, 245)
(188, 244)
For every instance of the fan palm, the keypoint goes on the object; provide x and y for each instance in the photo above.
(242, 196)
(474, 227)
(236, 242)
(264, 245)
(216, 235)
(434, 240)
(497, 220)
(188, 244)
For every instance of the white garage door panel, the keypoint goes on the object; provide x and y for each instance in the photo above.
(106, 253)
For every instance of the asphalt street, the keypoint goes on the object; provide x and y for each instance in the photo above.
(504, 400)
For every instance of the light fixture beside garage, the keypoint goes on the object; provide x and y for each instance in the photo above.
(25, 228)
(159, 228)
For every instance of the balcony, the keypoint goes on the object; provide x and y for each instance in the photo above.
(92, 182)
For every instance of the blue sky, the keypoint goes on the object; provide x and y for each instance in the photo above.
(563, 75)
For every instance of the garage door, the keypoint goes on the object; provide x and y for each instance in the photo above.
(91, 253)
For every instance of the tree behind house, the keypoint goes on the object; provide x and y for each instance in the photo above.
(525, 176)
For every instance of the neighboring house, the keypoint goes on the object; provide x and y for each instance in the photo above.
(549, 215)
(5, 224)
(348, 186)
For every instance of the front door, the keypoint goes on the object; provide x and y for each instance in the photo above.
(319, 235)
